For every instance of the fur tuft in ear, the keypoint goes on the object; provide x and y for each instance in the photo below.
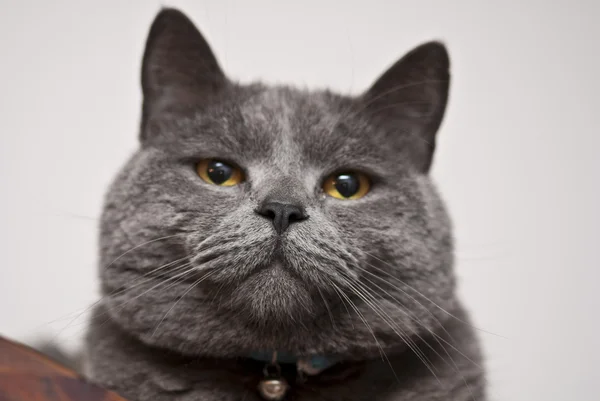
(409, 100)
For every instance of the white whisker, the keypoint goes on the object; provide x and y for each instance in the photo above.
(180, 298)
(361, 317)
(422, 295)
(141, 245)
(360, 292)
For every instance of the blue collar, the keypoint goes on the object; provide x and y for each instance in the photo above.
(311, 365)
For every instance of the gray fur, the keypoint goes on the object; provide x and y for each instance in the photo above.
(155, 337)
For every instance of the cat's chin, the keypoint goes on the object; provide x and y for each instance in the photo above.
(273, 295)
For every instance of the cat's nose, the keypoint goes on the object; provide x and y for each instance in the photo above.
(282, 214)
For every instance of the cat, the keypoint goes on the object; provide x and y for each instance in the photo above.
(271, 236)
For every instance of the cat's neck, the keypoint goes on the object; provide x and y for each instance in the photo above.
(124, 363)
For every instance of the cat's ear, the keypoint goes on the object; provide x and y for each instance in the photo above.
(409, 99)
(178, 63)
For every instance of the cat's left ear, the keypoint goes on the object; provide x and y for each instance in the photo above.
(409, 100)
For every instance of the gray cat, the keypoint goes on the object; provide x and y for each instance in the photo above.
(267, 242)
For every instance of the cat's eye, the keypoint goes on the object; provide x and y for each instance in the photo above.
(347, 185)
(220, 173)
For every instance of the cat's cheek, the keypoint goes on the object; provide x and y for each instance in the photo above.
(351, 216)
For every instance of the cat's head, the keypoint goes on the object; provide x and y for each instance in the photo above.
(265, 217)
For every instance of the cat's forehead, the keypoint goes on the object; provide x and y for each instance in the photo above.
(291, 112)
(303, 126)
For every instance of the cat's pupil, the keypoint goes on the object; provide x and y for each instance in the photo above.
(219, 172)
(347, 185)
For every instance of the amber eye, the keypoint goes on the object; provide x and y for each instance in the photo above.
(219, 173)
(347, 185)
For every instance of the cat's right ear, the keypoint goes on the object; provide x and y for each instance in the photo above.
(178, 64)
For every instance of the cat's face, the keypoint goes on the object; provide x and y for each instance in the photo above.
(274, 261)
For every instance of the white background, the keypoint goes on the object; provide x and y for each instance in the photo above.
(517, 159)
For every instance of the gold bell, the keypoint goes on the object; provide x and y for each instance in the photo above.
(273, 389)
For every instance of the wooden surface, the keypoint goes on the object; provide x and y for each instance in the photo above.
(27, 375)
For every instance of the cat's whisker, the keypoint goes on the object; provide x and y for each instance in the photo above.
(408, 313)
(141, 245)
(345, 306)
(85, 309)
(177, 281)
(362, 318)
(410, 316)
(149, 276)
(181, 297)
(328, 309)
(421, 294)
(174, 278)
(121, 305)
(88, 308)
(75, 216)
(73, 324)
(436, 337)
(217, 292)
(367, 299)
